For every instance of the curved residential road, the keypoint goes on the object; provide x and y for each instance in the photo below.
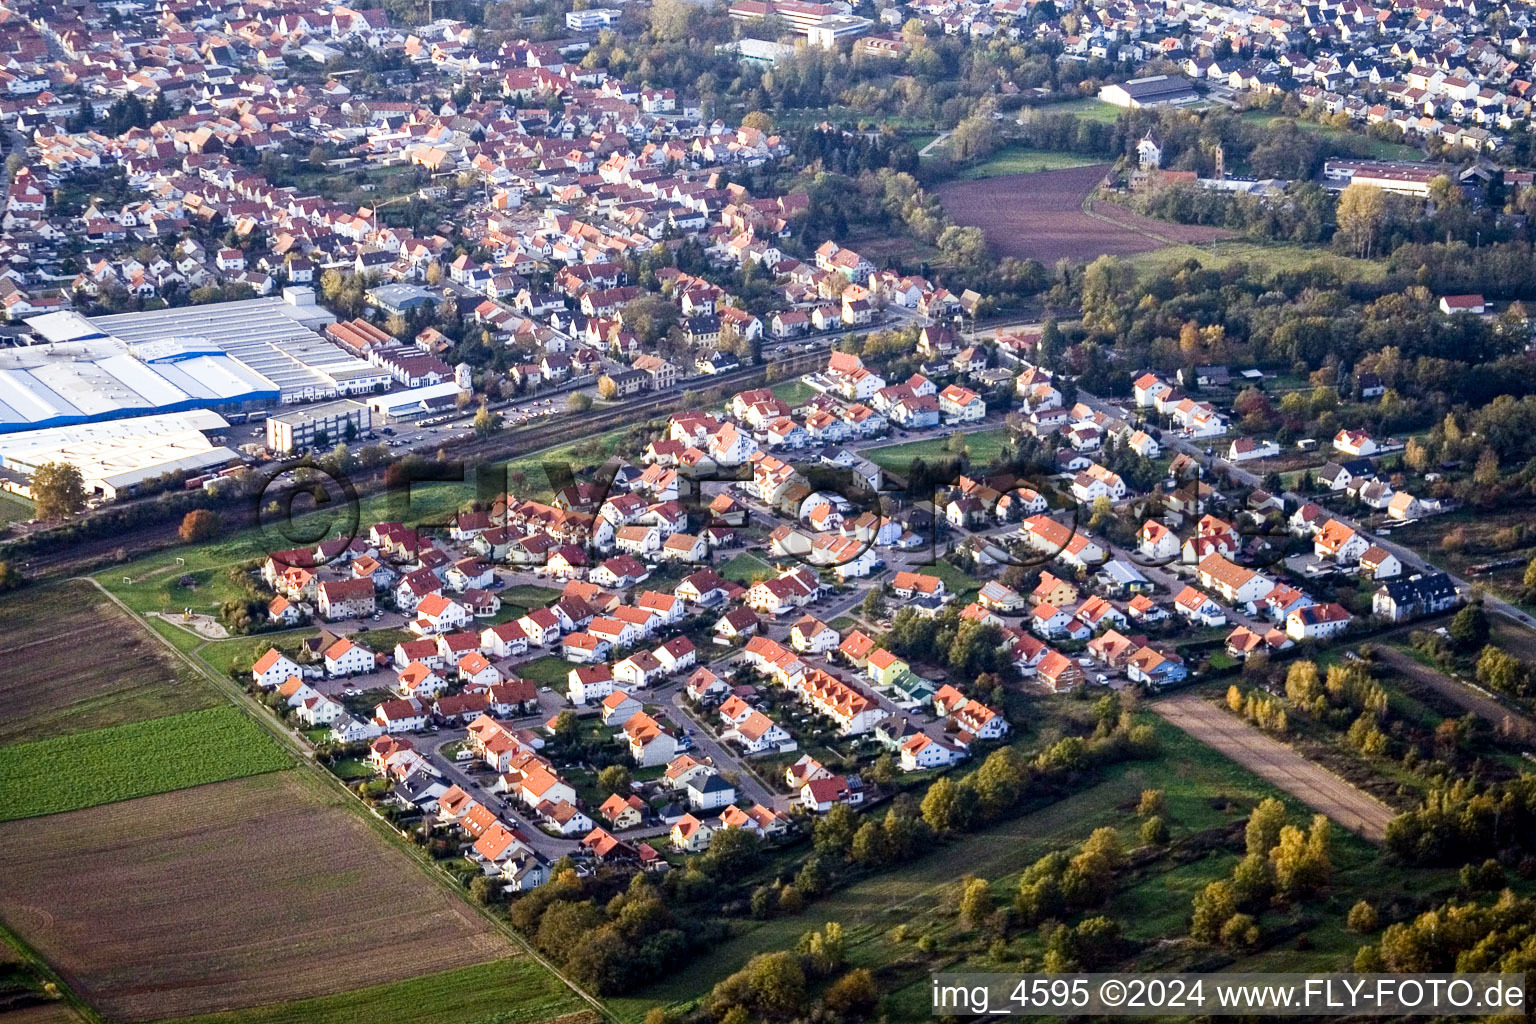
(1411, 559)
(1277, 764)
(386, 833)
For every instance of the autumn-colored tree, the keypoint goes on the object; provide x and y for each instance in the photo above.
(1264, 825)
(198, 525)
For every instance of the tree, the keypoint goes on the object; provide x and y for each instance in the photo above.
(670, 18)
(776, 982)
(1154, 831)
(1264, 825)
(975, 137)
(1362, 918)
(57, 490)
(758, 121)
(873, 605)
(938, 806)
(1001, 779)
(1301, 859)
(10, 577)
(1361, 215)
(567, 727)
(1469, 627)
(1499, 670)
(607, 389)
(1303, 686)
(853, 995)
(486, 422)
(615, 778)
(198, 525)
(975, 902)
(1214, 906)
(1153, 801)
(578, 402)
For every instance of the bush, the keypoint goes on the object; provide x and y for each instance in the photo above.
(1362, 918)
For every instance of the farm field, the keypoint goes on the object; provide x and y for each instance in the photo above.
(1040, 216)
(1021, 160)
(67, 773)
(516, 990)
(1277, 763)
(228, 896)
(985, 447)
(43, 693)
(1204, 791)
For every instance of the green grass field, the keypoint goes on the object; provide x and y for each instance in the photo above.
(547, 671)
(67, 773)
(1023, 160)
(1272, 256)
(14, 508)
(516, 990)
(796, 392)
(743, 567)
(1088, 108)
(985, 447)
(1358, 142)
(1204, 791)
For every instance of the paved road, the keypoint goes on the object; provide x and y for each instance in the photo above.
(1277, 764)
(748, 786)
(1411, 559)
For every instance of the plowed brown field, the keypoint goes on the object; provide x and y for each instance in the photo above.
(225, 896)
(1040, 216)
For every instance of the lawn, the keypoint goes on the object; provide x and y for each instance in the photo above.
(46, 693)
(1088, 108)
(126, 761)
(516, 990)
(985, 447)
(955, 581)
(527, 597)
(796, 392)
(1357, 142)
(1023, 160)
(743, 567)
(547, 671)
(1273, 256)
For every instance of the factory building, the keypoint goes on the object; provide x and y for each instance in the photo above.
(116, 457)
(317, 426)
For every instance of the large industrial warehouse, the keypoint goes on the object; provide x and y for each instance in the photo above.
(82, 374)
(253, 353)
(117, 456)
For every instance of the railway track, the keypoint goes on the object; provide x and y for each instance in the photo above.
(80, 556)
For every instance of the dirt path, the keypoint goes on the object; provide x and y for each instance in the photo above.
(1277, 764)
(1505, 721)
